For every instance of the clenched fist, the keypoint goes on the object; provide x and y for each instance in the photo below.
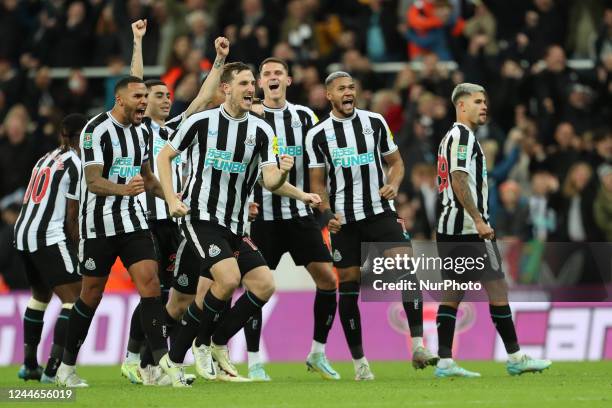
(135, 186)
(286, 163)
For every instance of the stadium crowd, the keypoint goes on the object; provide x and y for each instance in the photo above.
(548, 143)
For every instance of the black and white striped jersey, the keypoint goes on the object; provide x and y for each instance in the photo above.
(155, 207)
(460, 151)
(55, 178)
(224, 158)
(351, 149)
(290, 125)
(121, 150)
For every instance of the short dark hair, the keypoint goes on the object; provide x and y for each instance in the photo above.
(124, 82)
(72, 125)
(231, 69)
(275, 60)
(150, 83)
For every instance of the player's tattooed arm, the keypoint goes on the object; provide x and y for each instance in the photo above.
(71, 223)
(461, 190)
(211, 84)
(151, 182)
(104, 187)
(139, 29)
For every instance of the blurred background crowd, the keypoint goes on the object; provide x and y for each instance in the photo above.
(546, 65)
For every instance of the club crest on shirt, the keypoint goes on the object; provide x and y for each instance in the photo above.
(330, 138)
(296, 124)
(183, 280)
(367, 131)
(212, 133)
(337, 256)
(213, 250)
(250, 140)
(90, 264)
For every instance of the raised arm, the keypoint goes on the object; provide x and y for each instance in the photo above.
(213, 79)
(139, 29)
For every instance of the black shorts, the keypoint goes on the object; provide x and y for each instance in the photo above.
(346, 243)
(486, 264)
(166, 237)
(301, 237)
(187, 269)
(213, 243)
(97, 255)
(51, 266)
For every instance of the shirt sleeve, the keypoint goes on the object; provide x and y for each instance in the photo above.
(91, 146)
(387, 143)
(462, 146)
(314, 150)
(72, 177)
(185, 136)
(268, 145)
(175, 122)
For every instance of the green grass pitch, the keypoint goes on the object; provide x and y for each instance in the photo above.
(396, 385)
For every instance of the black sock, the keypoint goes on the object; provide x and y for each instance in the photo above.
(32, 330)
(78, 326)
(236, 317)
(146, 356)
(137, 336)
(502, 319)
(414, 314)
(59, 341)
(324, 313)
(446, 318)
(212, 308)
(187, 331)
(171, 325)
(153, 326)
(252, 332)
(350, 317)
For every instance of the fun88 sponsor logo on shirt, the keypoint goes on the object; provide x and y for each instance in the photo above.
(124, 167)
(222, 160)
(158, 145)
(283, 148)
(348, 157)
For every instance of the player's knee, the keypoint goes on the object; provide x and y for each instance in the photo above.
(263, 288)
(229, 282)
(92, 295)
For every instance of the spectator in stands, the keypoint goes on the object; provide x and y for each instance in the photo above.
(512, 218)
(199, 32)
(509, 93)
(583, 25)
(430, 22)
(425, 187)
(434, 77)
(602, 206)
(482, 24)
(39, 98)
(74, 96)
(12, 271)
(578, 109)
(563, 154)
(545, 25)
(12, 31)
(378, 31)
(317, 101)
(602, 148)
(252, 34)
(17, 153)
(542, 215)
(107, 42)
(551, 87)
(603, 43)
(298, 30)
(574, 206)
(388, 103)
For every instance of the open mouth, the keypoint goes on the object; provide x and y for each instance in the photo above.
(139, 114)
(274, 86)
(248, 99)
(348, 103)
